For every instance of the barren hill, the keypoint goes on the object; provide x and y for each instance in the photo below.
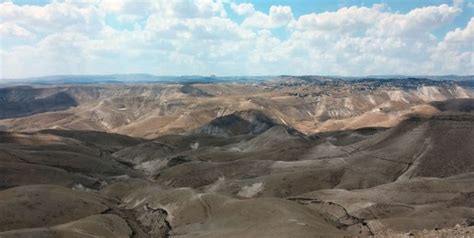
(288, 158)
(151, 110)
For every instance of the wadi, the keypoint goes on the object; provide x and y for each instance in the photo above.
(284, 156)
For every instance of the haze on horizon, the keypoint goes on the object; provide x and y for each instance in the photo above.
(39, 38)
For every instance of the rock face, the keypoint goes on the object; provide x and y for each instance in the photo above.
(154, 220)
(25, 101)
(240, 165)
(239, 123)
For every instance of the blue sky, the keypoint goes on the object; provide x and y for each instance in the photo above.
(234, 37)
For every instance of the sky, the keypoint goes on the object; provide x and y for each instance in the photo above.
(231, 37)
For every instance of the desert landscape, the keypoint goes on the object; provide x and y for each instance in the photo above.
(294, 156)
(236, 118)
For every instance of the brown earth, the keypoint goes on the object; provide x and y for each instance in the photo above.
(216, 160)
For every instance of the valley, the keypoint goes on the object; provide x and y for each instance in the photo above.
(292, 156)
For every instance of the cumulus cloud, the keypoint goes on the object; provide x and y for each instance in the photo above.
(417, 21)
(52, 18)
(192, 9)
(345, 19)
(362, 19)
(11, 30)
(369, 40)
(126, 10)
(243, 9)
(456, 51)
(198, 37)
(461, 36)
(278, 16)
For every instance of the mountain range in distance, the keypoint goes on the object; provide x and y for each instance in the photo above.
(150, 78)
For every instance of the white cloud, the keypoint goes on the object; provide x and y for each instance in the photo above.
(458, 3)
(461, 36)
(114, 6)
(417, 21)
(198, 37)
(346, 19)
(362, 40)
(192, 9)
(279, 16)
(55, 54)
(361, 19)
(456, 51)
(10, 30)
(243, 9)
(52, 18)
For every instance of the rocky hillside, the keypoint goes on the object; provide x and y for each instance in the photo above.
(25, 101)
(151, 110)
(410, 179)
(277, 159)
